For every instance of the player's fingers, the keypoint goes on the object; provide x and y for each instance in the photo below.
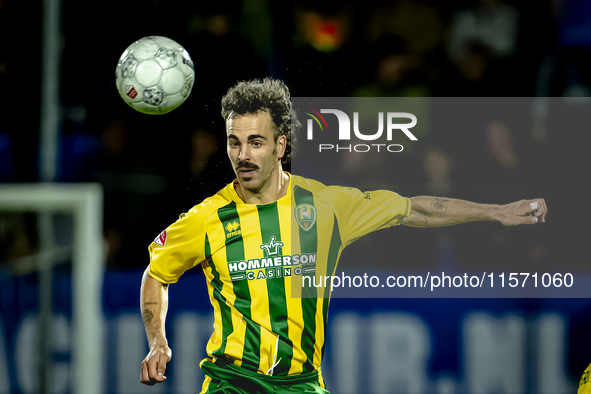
(144, 376)
(161, 368)
(519, 220)
(534, 220)
(544, 210)
(533, 207)
(536, 208)
(153, 368)
(539, 209)
(528, 218)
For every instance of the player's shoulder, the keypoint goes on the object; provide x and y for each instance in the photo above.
(323, 191)
(209, 205)
(338, 194)
(311, 185)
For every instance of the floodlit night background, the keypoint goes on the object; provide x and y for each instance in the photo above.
(153, 168)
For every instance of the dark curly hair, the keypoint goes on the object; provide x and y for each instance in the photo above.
(269, 95)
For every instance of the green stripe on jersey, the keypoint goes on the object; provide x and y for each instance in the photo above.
(270, 227)
(333, 254)
(308, 244)
(225, 311)
(251, 356)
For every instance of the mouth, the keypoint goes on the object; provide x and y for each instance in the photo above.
(246, 172)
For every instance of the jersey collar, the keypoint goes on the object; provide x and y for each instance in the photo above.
(234, 195)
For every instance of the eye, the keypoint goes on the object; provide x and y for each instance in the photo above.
(256, 144)
(233, 144)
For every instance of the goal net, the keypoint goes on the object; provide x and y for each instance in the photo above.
(84, 204)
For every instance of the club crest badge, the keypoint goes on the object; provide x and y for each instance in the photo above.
(305, 215)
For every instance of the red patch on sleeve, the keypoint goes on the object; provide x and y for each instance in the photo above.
(161, 239)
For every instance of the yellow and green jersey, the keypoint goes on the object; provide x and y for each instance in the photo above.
(585, 382)
(254, 258)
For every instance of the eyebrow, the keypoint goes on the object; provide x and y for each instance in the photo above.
(250, 137)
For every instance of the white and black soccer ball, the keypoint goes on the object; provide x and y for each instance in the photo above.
(155, 75)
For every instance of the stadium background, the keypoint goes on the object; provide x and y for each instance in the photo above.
(153, 168)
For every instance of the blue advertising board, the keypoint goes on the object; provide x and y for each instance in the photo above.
(374, 345)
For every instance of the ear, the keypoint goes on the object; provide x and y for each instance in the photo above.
(281, 146)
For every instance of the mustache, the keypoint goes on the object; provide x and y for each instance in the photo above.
(246, 165)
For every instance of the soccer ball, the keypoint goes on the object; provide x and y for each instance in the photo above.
(154, 75)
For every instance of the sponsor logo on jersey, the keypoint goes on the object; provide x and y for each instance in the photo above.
(272, 248)
(232, 229)
(161, 239)
(305, 215)
(273, 265)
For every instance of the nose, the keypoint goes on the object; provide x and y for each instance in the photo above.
(243, 153)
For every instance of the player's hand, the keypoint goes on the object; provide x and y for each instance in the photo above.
(523, 212)
(154, 365)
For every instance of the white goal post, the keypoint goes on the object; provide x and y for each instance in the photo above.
(85, 202)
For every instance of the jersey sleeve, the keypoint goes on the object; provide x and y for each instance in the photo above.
(178, 248)
(585, 382)
(359, 213)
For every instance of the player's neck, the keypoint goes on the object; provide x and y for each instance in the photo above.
(273, 190)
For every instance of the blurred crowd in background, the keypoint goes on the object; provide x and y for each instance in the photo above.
(153, 168)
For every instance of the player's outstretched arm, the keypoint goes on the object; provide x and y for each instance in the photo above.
(438, 212)
(154, 305)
